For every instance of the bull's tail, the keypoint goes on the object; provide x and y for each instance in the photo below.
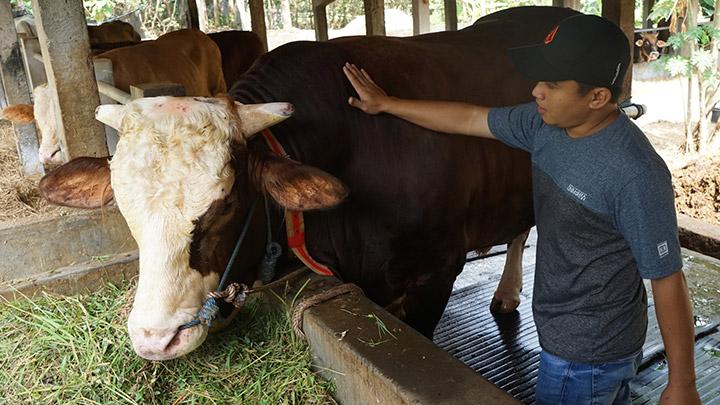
(19, 113)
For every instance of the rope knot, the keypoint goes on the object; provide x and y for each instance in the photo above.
(234, 294)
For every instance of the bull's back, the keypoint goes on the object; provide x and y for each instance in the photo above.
(412, 178)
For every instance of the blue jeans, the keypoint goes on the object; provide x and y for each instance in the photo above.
(564, 382)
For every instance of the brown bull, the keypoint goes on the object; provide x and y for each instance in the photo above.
(418, 201)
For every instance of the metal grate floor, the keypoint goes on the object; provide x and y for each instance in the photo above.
(506, 351)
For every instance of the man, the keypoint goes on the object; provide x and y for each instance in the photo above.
(604, 211)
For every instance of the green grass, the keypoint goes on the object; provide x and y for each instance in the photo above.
(75, 350)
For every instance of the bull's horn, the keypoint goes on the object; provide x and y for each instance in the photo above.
(256, 117)
(110, 114)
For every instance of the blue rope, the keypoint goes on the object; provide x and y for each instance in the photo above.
(209, 309)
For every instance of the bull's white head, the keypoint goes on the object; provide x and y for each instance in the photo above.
(181, 178)
(172, 162)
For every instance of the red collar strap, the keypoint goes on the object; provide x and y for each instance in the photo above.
(294, 221)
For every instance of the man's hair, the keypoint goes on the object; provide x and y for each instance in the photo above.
(584, 89)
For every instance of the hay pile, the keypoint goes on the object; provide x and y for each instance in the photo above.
(697, 189)
(19, 197)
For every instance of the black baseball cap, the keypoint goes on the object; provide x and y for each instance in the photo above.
(586, 48)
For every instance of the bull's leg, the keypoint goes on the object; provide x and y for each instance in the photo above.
(422, 301)
(507, 294)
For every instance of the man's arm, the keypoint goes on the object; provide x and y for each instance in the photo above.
(674, 315)
(441, 116)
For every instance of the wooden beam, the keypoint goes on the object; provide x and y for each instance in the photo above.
(375, 17)
(321, 26)
(451, 15)
(157, 89)
(70, 76)
(622, 13)
(421, 16)
(191, 17)
(15, 83)
(257, 20)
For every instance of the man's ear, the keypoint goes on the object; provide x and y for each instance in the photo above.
(298, 187)
(600, 97)
(83, 182)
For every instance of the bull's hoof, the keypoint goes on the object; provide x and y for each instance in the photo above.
(503, 307)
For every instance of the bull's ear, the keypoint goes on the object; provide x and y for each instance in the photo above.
(19, 113)
(298, 187)
(639, 42)
(83, 182)
(256, 117)
(110, 114)
(660, 43)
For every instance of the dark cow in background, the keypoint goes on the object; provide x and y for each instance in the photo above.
(187, 169)
(239, 50)
(649, 45)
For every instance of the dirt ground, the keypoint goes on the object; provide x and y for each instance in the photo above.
(696, 179)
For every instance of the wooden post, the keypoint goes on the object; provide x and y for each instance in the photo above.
(573, 4)
(622, 13)
(70, 76)
(191, 18)
(451, 15)
(320, 15)
(647, 8)
(15, 83)
(375, 17)
(257, 20)
(421, 16)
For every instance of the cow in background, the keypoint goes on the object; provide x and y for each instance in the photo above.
(239, 50)
(107, 35)
(649, 45)
(188, 57)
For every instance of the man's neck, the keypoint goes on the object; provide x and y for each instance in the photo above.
(594, 123)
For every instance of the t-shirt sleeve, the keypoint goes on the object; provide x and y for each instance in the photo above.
(515, 126)
(645, 215)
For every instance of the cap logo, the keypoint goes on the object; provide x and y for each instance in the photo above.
(617, 72)
(551, 35)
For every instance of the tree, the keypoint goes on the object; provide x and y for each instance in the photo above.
(697, 60)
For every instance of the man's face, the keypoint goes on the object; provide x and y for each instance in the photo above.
(560, 103)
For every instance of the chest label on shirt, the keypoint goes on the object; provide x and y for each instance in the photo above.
(581, 195)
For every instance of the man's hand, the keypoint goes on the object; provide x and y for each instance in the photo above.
(372, 97)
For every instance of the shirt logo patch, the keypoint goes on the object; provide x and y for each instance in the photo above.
(576, 192)
(663, 249)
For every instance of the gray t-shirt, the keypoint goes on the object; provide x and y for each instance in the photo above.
(605, 214)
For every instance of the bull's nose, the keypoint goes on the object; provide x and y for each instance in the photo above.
(154, 344)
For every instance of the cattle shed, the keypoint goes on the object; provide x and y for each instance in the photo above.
(106, 251)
